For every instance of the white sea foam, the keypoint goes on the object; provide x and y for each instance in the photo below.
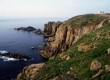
(3, 52)
(7, 58)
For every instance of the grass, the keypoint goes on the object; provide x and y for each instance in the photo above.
(84, 20)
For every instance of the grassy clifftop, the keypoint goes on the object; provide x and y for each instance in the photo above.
(83, 20)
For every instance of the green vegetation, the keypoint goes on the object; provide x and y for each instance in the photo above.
(84, 20)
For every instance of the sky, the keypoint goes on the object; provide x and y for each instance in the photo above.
(51, 8)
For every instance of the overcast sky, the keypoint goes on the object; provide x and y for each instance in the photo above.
(51, 8)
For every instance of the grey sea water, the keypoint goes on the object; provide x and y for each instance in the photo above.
(19, 41)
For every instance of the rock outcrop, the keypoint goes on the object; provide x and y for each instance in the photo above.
(63, 35)
(85, 48)
(95, 65)
(107, 68)
(29, 72)
(51, 27)
(38, 31)
(29, 28)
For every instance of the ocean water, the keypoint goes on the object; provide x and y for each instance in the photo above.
(20, 41)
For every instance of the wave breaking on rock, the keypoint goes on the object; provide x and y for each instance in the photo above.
(13, 56)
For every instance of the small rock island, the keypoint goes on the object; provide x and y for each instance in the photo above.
(30, 29)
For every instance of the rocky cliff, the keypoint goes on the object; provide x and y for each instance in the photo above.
(79, 47)
(63, 35)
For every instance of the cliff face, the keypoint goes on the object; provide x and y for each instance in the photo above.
(65, 34)
(51, 27)
(87, 59)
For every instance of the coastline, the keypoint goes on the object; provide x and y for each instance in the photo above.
(60, 37)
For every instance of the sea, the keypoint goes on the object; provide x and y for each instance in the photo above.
(12, 40)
